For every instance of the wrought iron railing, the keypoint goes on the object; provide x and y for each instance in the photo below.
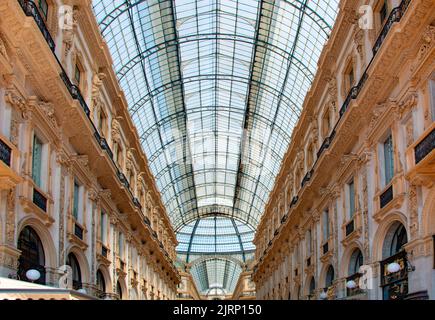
(424, 147)
(137, 203)
(386, 197)
(75, 92)
(103, 144)
(30, 9)
(5, 153)
(39, 200)
(307, 177)
(353, 93)
(395, 16)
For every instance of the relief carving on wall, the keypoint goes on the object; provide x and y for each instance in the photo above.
(10, 217)
(413, 211)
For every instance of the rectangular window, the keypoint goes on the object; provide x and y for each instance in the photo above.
(325, 225)
(76, 200)
(121, 245)
(37, 161)
(309, 243)
(432, 97)
(388, 159)
(383, 12)
(77, 75)
(103, 227)
(351, 190)
(43, 8)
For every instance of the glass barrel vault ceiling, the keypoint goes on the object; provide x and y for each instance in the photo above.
(215, 88)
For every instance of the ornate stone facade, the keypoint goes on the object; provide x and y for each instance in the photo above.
(349, 181)
(75, 186)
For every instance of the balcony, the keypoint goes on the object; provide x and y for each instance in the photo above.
(307, 177)
(420, 158)
(352, 229)
(326, 250)
(395, 16)
(386, 197)
(120, 268)
(103, 253)
(9, 178)
(78, 231)
(30, 9)
(391, 196)
(75, 92)
(103, 144)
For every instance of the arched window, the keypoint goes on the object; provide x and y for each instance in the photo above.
(119, 290)
(32, 254)
(400, 238)
(76, 272)
(356, 261)
(329, 277)
(101, 284)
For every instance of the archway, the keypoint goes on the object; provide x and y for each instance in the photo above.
(394, 271)
(72, 261)
(32, 254)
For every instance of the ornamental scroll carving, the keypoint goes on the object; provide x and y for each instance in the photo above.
(18, 102)
(3, 50)
(10, 217)
(116, 130)
(413, 211)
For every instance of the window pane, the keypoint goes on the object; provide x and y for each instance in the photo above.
(351, 199)
(37, 161)
(76, 200)
(388, 159)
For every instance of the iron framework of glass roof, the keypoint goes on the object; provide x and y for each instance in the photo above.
(215, 236)
(215, 88)
(216, 275)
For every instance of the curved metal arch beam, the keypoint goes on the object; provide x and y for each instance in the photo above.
(263, 119)
(122, 8)
(195, 213)
(183, 139)
(187, 201)
(223, 255)
(209, 77)
(237, 214)
(240, 240)
(217, 213)
(191, 238)
(186, 175)
(217, 257)
(203, 37)
(212, 212)
(301, 17)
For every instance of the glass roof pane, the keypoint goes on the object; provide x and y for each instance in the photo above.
(215, 89)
